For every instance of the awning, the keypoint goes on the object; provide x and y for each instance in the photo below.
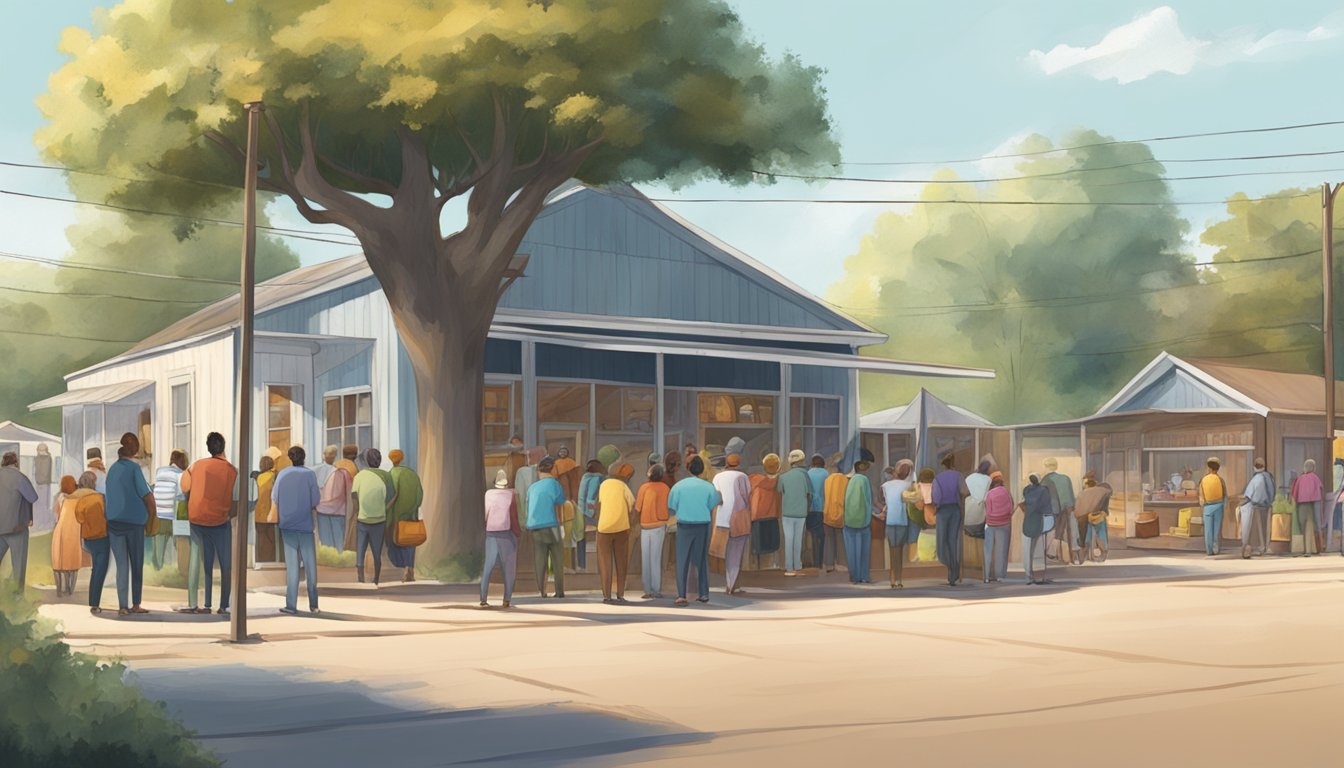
(739, 352)
(108, 393)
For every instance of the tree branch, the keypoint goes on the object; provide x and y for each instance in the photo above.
(373, 183)
(289, 186)
(309, 182)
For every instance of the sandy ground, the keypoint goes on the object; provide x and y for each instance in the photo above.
(1145, 660)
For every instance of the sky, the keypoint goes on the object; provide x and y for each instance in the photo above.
(906, 81)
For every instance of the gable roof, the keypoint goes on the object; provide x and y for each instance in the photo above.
(925, 408)
(17, 433)
(1170, 384)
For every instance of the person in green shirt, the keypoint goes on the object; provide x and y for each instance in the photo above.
(858, 516)
(374, 495)
(795, 491)
(405, 506)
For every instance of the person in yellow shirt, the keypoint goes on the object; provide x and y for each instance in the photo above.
(615, 506)
(263, 514)
(833, 512)
(1212, 495)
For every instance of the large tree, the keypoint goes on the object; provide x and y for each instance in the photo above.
(379, 114)
(1064, 300)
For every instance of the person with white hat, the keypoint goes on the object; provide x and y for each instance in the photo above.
(795, 490)
(501, 536)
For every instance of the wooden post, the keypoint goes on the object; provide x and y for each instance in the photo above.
(246, 308)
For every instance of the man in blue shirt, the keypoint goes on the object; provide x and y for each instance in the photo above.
(815, 519)
(295, 497)
(129, 505)
(545, 497)
(693, 500)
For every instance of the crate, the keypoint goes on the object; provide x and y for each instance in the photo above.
(1147, 529)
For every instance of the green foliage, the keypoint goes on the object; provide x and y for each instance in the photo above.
(168, 576)
(63, 708)
(332, 557)
(1064, 302)
(1283, 505)
(457, 569)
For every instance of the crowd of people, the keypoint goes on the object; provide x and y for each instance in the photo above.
(114, 514)
(713, 510)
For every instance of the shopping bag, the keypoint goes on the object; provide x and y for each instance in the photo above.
(410, 533)
(928, 547)
(718, 543)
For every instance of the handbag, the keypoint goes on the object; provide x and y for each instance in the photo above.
(739, 523)
(1096, 518)
(718, 543)
(410, 533)
(151, 524)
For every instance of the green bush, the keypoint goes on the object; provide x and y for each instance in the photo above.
(332, 557)
(457, 569)
(1283, 505)
(62, 708)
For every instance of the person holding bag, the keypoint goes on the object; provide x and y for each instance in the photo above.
(405, 530)
(733, 520)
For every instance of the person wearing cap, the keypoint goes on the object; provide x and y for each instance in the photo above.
(1259, 499)
(1306, 493)
(1037, 504)
(501, 537)
(735, 489)
(592, 479)
(949, 494)
(816, 505)
(409, 494)
(651, 505)
(545, 498)
(374, 495)
(1212, 497)
(858, 517)
(94, 457)
(615, 503)
(833, 511)
(693, 500)
(1066, 525)
(901, 530)
(795, 499)
(998, 526)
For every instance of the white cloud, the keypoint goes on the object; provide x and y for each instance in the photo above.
(1156, 43)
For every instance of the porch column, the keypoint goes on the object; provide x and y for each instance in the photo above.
(782, 425)
(659, 438)
(529, 352)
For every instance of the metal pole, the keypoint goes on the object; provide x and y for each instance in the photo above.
(246, 307)
(1328, 316)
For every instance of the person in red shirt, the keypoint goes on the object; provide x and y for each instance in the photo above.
(209, 486)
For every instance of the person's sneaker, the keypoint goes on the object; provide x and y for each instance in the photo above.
(506, 603)
(559, 595)
(313, 610)
(608, 601)
(289, 611)
(223, 611)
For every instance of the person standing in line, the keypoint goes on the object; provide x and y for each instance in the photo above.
(901, 530)
(167, 494)
(209, 486)
(44, 512)
(949, 496)
(765, 507)
(267, 548)
(615, 503)
(1306, 494)
(295, 497)
(671, 465)
(816, 511)
(733, 521)
(998, 527)
(595, 472)
(1066, 525)
(858, 519)
(651, 504)
(795, 491)
(129, 504)
(545, 499)
(408, 495)
(334, 508)
(516, 458)
(348, 455)
(1259, 499)
(501, 537)
(526, 476)
(323, 472)
(90, 513)
(1037, 505)
(66, 557)
(1212, 497)
(693, 500)
(374, 496)
(833, 510)
(94, 456)
(1094, 506)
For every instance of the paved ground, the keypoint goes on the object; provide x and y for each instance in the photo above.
(1158, 660)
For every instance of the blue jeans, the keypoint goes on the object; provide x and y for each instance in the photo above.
(1213, 525)
(100, 551)
(858, 553)
(331, 530)
(369, 535)
(817, 527)
(949, 540)
(214, 541)
(692, 548)
(1097, 531)
(793, 542)
(501, 549)
(996, 551)
(128, 549)
(651, 558)
(299, 549)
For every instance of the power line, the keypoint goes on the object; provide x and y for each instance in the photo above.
(77, 295)
(891, 201)
(63, 263)
(1194, 338)
(1149, 140)
(70, 338)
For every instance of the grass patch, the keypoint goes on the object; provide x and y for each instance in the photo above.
(63, 708)
(39, 561)
(332, 557)
(456, 569)
(169, 577)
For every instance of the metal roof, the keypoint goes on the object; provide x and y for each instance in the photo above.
(17, 433)
(107, 393)
(934, 411)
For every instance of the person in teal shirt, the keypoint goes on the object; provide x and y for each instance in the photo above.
(795, 492)
(693, 500)
(545, 497)
(858, 516)
(129, 505)
(593, 476)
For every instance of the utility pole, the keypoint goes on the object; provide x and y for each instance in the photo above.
(246, 307)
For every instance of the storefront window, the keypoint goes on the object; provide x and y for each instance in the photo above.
(121, 418)
(750, 417)
(679, 426)
(1176, 474)
(349, 420)
(501, 419)
(814, 426)
(563, 416)
(181, 403)
(625, 417)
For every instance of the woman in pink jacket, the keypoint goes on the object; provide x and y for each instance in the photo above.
(1306, 495)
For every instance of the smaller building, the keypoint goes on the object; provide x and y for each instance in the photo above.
(40, 459)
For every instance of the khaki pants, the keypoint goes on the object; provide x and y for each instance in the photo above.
(613, 549)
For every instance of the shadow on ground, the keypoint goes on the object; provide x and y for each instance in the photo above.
(252, 717)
